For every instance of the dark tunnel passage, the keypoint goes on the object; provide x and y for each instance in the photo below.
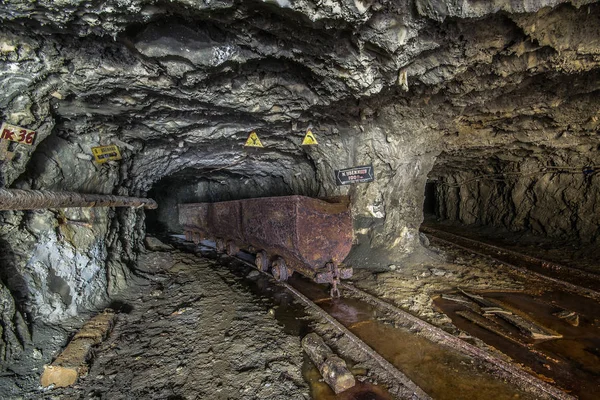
(542, 196)
(429, 204)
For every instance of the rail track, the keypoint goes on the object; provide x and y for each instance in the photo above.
(417, 392)
(587, 284)
(493, 364)
(502, 368)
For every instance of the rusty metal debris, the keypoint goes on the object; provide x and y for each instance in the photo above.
(491, 326)
(513, 316)
(571, 317)
(24, 199)
(289, 233)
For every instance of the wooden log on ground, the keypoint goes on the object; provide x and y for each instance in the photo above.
(72, 362)
(332, 368)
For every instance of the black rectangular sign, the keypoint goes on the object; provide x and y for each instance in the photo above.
(348, 176)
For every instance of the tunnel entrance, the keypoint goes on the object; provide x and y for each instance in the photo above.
(154, 222)
(518, 206)
(429, 204)
(514, 193)
(199, 186)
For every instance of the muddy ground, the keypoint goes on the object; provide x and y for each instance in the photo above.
(203, 326)
(193, 332)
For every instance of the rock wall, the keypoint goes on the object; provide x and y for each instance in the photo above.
(55, 264)
(401, 146)
(544, 198)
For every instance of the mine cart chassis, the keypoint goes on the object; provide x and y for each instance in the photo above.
(331, 274)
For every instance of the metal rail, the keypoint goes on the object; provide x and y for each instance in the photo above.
(418, 393)
(514, 374)
(571, 287)
(25, 199)
(395, 372)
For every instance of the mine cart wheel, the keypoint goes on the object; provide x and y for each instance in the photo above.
(220, 244)
(196, 237)
(232, 248)
(280, 270)
(262, 261)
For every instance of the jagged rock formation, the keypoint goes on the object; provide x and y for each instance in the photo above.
(455, 88)
(555, 197)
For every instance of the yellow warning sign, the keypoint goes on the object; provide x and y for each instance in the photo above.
(103, 154)
(309, 139)
(253, 140)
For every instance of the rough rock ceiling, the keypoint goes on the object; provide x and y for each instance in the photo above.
(181, 83)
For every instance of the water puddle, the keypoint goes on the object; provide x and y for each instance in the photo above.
(440, 371)
(293, 319)
(319, 390)
(572, 362)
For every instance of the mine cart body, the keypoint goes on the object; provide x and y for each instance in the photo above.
(194, 219)
(310, 235)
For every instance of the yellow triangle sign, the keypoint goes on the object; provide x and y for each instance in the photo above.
(309, 139)
(253, 141)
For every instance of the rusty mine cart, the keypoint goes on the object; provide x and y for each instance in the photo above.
(287, 234)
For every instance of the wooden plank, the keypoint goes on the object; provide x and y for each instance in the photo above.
(332, 368)
(72, 362)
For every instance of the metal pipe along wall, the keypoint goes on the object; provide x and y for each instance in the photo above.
(23, 199)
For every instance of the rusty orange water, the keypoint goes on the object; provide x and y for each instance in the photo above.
(440, 371)
(572, 362)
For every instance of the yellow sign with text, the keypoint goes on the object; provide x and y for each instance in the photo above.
(103, 154)
(253, 141)
(309, 139)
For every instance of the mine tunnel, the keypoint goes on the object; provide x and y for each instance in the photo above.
(296, 199)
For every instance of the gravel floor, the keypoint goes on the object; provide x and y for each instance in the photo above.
(195, 333)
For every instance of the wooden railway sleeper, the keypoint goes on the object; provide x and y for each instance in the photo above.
(231, 248)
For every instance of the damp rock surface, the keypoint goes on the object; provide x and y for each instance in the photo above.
(194, 333)
(496, 101)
